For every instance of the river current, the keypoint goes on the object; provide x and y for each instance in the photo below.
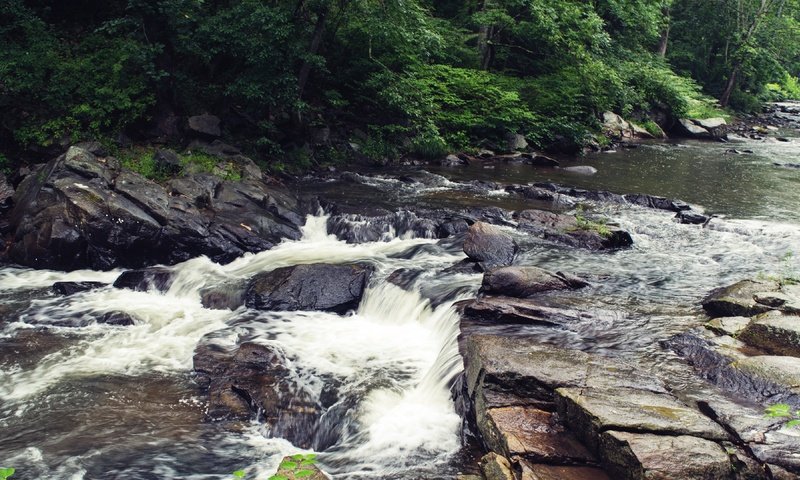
(82, 400)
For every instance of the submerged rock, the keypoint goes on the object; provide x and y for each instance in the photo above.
(489, 246)
(336, 288)
(70, 288)
(518, 281)
(142, 280)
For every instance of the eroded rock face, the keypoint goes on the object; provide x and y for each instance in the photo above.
(336, 288)
(489, 246)
(253, 379)
(82, 211)
(519, 281)
(774, 332)
(737, 300)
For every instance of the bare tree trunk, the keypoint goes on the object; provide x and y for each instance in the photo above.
(664, 40)
(485, 46)
(729, 86)
(316, 40)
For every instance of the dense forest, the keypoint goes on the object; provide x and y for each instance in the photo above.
(418, 77)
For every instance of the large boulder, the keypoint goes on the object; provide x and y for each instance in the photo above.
(738, 300)
(516, 281)
(335, 288)
(204, 125)
(774, 332)
(82, 211)
(573, 231)
(489, 246)
(252, 381)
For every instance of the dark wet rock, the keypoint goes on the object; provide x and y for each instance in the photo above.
(691, 218)
(592, 411)
(520, 432)
(787, 165)
(594, 195)
(254, 380)
(167, 161)
(566, 229)
(222, 297)
(404, 278)
(530, 471)
(542, 194)
(538, 160)
(336, 288)
(657, 203)
(204, 125)
(81, 211)
(774, 332)
(69, 288)
(145, 279)
(120, 319)
(737, 300)
(507, 310)
(640, 456)
(6, 194)
(489, 246)
(519, 281)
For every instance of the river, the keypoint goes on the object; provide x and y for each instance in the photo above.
(82, 400)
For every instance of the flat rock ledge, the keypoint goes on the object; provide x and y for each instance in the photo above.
(545, 412)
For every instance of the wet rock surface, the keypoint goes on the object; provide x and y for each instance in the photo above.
(336, 288)
(83, 211)
(70, 288)
(526, 281)
(738, 300)
(488, 246)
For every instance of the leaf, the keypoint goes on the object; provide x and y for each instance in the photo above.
(793, 423)
(778, 410)
(310, 457)
(238, 474)
(278, 477)
(6, 472)
(304, 473)
(287, 465)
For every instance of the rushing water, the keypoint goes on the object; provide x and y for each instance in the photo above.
(81, 400)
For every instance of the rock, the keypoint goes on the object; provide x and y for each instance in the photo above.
(6, 194)
(641, 456)
(616, 127)
(783, 371)
(538, 160)
(567, 230)
(454, 161)
(592, 411)
(531, 471)
(85, 213)
(222, 297)
(120, 319)
(543, 195)
(205, 125)
(336, 288)
(69, 288)
(299, 467)
(657, 203)
(690, 129)
(167, 161)
(520, 432)
(520, 281)
(515, 141)
(143, 280)
(496, 467)
(774, 332)
(506, 310)
(711, 123)
(732, 326)
(581, 170)
(691, 218)
(737, 300)
(253, 380)
(489, 246)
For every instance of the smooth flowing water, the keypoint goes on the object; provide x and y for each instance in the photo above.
(82, 400)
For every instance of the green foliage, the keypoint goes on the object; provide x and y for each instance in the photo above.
(239, 474)
(782, 410)
(141, 160)
(6, 473)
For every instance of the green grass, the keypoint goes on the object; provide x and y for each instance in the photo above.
(706, 108)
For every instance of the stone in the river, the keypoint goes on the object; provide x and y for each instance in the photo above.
(518, 281)
(774, 332)
(536, 435)
(567, 230)
(539, 160)
(142, 280)
(496, 467)
(689, 128)
(222, 297)
(489, 246)
(120, 319)
(691, 218)
(531, 471)
(454, 161)
(737, 300)
(657, 203)
(777, 369)
(69, 288)
(732, 326)
(336, 288)
(642, 456)
(591, 411)
(253, 380)
(581, 170)
(508, 310)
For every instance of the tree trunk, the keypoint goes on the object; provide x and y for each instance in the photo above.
(664, 40)
(729, 86)
(316, 40)
(485, 46)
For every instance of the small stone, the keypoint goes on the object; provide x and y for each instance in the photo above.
(496, 467)
(489, 246)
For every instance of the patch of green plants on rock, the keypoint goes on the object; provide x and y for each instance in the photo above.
(586, 224)
(783, 410)
(296, 466)
(6, 473)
